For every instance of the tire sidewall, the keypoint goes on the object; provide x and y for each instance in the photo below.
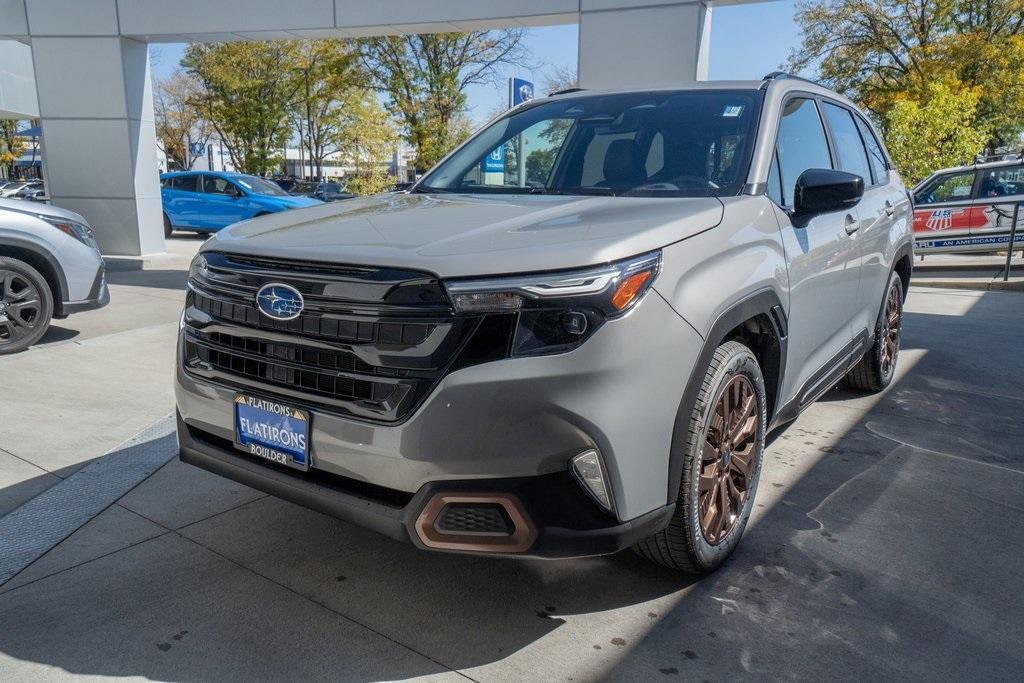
(886, 378)
(45, 298)
(742, 361)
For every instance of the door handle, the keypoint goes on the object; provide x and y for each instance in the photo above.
(850, 224)
(889, 208)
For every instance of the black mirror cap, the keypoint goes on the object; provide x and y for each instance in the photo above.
(822, 190)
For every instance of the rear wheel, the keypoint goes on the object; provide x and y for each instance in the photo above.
(724, 453)
(875, 370)
(168, 228)
(26, 305)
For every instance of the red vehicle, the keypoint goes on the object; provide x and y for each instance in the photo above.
(969, 208)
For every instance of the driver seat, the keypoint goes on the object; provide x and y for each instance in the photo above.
(623, 166)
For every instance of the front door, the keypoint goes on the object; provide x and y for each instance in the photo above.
(224, 202)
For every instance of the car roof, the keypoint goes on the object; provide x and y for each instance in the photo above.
(981, 166)
(227, 174)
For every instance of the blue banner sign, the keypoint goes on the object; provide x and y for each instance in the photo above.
(519, 91)
(495, 161)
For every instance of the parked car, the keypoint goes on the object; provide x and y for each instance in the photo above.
(969, 208)
(564, 364)
(206, 201)
(50, 267)
(32, 190)
(12, 188)
(324, 191)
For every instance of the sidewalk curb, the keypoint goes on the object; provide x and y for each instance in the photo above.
(998, 285)
(33, 529)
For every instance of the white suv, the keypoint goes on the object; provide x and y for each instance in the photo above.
(50, 267)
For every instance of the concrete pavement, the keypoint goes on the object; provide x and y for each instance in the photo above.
(885, 543)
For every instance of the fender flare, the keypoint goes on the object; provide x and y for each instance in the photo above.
(45, 255)
(762, 302)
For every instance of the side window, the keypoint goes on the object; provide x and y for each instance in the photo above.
(879, 166)
(846, 138)
(952, 187)
(801, 144)
(185, 183)
(215, 185)
(1000, 182)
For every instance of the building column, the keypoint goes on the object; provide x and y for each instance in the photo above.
(655, 42)
(99, 141)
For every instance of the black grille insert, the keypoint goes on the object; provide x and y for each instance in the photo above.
(485, 519)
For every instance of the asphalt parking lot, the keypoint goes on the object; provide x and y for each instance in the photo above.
(886, 541)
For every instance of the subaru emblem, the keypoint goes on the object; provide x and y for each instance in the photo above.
(279, 301)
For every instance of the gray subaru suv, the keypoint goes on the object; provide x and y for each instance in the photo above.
(570, 337)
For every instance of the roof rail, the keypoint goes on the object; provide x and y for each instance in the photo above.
(780, 75)
(565, 91)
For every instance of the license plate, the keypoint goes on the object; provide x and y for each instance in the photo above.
(273, 431)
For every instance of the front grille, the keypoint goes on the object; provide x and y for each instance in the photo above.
(370, 343)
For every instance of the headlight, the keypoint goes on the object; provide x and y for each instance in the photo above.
(556, 312)
(79, 231)
(198, 267)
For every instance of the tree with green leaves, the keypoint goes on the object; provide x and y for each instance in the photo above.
(882, 52)
(179, 120)
(11, 144)
(246, 97)
(367, 141)
(425, 77)
(327, 76)
(933, 131)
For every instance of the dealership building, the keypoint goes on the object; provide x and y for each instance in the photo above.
(81, 67)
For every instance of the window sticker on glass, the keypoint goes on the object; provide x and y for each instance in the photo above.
(962, 191)
(731, 111)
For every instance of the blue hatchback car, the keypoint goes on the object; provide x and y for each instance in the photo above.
(206, 201)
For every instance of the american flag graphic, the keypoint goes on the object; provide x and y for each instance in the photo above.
(940, 219)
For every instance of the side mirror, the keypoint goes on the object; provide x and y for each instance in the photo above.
(823, 190)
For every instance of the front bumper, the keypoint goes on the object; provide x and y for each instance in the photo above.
(567, 524)
(508, 425)
(98, 297)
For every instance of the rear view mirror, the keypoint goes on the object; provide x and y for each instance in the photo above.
(823, 190)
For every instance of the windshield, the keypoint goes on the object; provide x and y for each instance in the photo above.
(258, 185)
(693, 143)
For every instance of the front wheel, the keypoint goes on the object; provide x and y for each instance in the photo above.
(26, 305)
(723, 458)
(875, 370)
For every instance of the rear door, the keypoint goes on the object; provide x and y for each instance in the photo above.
(181, 200)
(822, 258)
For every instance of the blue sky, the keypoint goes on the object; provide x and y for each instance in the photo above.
(747, 41)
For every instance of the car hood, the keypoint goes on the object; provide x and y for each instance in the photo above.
(454, 235)
(39, 209)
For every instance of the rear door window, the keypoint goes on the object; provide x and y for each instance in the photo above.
(846, 138)
(876, 157)
(185, 183)
(1002, 182)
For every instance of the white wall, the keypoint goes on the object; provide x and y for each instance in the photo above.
(17, 82)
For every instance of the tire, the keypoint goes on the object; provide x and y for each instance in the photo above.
(875, 370)
(26, 305)
(692, 542)
(168, 228)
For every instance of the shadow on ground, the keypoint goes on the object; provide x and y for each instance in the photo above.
(887, 544)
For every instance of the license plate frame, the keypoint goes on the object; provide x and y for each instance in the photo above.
(270, 430)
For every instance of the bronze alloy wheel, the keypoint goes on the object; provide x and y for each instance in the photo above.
(21, 308)
(730, 447)
(890, 341)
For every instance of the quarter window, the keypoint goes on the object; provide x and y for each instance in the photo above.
(954, 187)
(847, 141)
(801, 145)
